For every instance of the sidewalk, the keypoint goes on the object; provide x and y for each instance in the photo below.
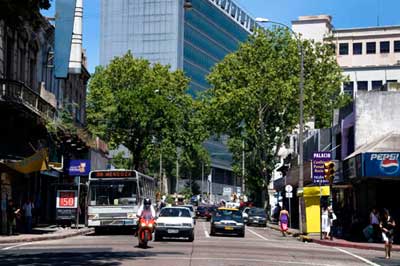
(41, 233)
(336, 242)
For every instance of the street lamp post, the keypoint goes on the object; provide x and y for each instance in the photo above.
(301, 107)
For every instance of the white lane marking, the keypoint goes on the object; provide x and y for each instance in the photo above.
(358, 257)
(273, 262)
(15, 246)
(257, 234)
(205, 231)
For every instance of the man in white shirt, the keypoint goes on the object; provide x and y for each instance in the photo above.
(27, 208)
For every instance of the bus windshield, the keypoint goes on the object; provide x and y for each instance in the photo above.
(113, 192)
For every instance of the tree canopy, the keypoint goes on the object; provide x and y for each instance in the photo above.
(145, 107)
(254, 95)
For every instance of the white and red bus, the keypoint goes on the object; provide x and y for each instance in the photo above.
(115, 195)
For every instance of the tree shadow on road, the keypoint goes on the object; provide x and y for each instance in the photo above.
(78, 258)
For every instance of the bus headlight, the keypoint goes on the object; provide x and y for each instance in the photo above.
(93, 216)
(131, 215)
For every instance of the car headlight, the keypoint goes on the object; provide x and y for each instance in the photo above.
(217, 222)
(160, 224)
(240, 224)
(187, 225)
(93, 216)
(131, 215)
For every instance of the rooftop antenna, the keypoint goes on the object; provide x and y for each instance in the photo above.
(377, 17)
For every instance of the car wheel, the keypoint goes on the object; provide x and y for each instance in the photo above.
(212, 232)
(157, 237)
(191, 237)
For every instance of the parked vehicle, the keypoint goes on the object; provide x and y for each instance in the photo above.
(227, 221)
(257, 216)
(245, 214)
(145, 230)
(174, 222)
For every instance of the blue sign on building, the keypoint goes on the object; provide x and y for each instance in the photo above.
(381, 164)
(319, 158)
(65, 14)
(79, 167)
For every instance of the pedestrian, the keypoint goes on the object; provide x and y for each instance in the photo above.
(28, 209)
(283, 220)
(325, 223)
(332, 218)
(12, 214)
(387, 226)
(374, 222)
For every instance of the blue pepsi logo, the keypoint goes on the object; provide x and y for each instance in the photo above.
(389, 166)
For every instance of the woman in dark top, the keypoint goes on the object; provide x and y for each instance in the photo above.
(387, 225)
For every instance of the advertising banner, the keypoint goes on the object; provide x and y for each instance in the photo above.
(319, 158)
(381, 164)
(79, 167)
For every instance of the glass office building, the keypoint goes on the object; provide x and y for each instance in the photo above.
(190, 39)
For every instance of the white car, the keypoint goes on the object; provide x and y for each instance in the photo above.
(174, 222)
(191, 208)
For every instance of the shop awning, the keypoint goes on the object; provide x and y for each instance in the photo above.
(36, 162)
(386, 143)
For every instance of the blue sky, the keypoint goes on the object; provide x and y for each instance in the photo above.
(345, 14)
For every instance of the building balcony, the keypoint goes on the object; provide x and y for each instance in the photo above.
(20, 95)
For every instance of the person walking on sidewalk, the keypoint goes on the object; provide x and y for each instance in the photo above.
(374, 222)
(12, 213)
(387, 225)
(283, 220)
(325, 223)
(28, 208)
(332, 218)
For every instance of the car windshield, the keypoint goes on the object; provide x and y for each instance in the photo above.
(257, 212)
(113, 192)
(174, 212)
(190, 207)
(228, 215)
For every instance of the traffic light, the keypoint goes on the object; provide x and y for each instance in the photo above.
(329, 171)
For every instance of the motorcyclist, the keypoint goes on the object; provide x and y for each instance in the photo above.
(146, 208)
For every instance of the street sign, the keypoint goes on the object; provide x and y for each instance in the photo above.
(67, 199)
(289, 195)
(319, 158)
(288, 188)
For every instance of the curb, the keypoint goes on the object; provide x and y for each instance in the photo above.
(53, 236)
(294, 234)
(352, 245)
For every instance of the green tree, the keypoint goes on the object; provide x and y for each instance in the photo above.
(144, 107)
(255, 95)
(17, 12)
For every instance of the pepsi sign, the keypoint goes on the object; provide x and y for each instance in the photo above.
(382, 164)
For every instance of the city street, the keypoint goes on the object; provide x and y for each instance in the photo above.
(259, 247)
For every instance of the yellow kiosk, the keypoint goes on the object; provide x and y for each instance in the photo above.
(312, 198)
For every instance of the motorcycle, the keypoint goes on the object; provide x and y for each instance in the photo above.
(145, 230)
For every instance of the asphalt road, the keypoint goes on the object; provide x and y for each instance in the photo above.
(259, 247)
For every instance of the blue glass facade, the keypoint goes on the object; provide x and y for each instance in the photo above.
(210, 33)
(193, 40)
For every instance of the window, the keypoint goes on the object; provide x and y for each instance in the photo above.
(397, 46)
(376, 85)
(371, 47)
(357, 48)
(348, 87)
(343, 48)
(362, 85)
(385, 47)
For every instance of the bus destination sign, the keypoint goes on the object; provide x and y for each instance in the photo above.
(112, 174)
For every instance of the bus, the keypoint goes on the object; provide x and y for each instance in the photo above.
(114, 197)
